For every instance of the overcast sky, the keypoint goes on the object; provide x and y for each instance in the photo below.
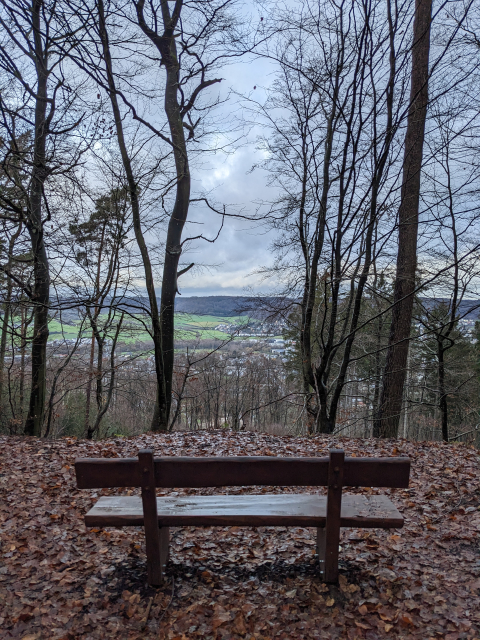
(241, 246)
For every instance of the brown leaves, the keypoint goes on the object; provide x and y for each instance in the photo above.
(59, 580)
(406, 620)
(239, 624)
(220, 616)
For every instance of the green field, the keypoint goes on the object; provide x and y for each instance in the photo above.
(187, 327)
(57, 330)
(190, 327)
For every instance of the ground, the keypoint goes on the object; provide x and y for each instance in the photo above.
(59, 580)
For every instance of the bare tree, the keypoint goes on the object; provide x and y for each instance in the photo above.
(99, 242)
(342, 78)
(386, 423)
(7, 304)
(39, 98)
(190, 42)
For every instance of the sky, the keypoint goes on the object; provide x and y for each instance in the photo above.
(227, 266)
(242, 246)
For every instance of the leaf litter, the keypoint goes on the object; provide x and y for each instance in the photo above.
(62, 581)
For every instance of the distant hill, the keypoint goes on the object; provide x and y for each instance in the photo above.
(221, 306)
(468, 309)
(224, 306)
(228, 306)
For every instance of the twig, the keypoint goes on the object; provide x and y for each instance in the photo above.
(466, 433)
(144, 623)
(166, 608)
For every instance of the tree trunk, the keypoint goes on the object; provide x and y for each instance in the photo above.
(387, 420)
(34, 421)
(88, 393)
(56, 377)
(7, 312)
(166, 46)
(100, 340)
(92, 346)
(159, 421)
(104, 403)
(177, 221)
(378, 368)
(23, 348)
(325, 424)
(41, 287)
(443, 402)
(3, 339)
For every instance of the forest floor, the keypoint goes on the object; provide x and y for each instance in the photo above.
(59, 580)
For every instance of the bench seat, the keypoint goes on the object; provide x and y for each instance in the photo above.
(300, 510)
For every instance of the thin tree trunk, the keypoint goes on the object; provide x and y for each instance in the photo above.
(58, 373)
(23, 345)
(443, 402)
(88, 392)
(104, 403)
(387, 420)
(3, 340)
(92, 347)
(7, 311)
(178, 217)
(100, 340)
(378, 368)
(405, 395)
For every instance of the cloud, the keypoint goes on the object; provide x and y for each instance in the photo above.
(227, 178)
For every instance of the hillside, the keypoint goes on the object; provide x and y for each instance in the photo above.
(218, 306)
(468, 309)
(230, 306)
(222, 306)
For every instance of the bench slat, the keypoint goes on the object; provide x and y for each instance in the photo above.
(95, 473)
(301, 510)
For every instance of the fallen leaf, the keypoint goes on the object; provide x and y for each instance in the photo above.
(220, 618)
(239, 625)
(405, 620)
(362, 625)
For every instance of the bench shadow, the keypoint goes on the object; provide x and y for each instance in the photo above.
(130, 574)
(277, 571)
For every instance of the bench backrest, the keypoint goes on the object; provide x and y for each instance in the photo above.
(96, 473)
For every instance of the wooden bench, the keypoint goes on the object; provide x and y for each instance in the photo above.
(327, 513)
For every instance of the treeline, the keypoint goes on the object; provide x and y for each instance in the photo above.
(370, 138)
(241, 386)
